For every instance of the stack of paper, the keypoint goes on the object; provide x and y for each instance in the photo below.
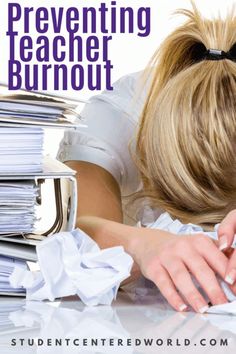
(17, 206)
(7, 265)
(34, 108)
(29, 109)
(22, 117)
(21, 150)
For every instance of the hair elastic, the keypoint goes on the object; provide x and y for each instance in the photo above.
(216, 54)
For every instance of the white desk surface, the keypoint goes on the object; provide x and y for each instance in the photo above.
(131, 316)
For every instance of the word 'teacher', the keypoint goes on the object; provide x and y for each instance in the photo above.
(75, 55)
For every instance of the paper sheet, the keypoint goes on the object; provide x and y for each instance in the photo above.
(17, 206)
(21, 149)
(7, 266)
(31, 108)
(72, 263)
(165, 222)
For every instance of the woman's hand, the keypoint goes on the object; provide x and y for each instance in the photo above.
(169, 264)
(226, 233)
(161, 256)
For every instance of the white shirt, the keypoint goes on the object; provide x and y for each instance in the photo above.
(112, 118)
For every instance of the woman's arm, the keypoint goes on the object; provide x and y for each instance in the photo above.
(98, 192)
(99, 208)
(160, 256)
(99, 201)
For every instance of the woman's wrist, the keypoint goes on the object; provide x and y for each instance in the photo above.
(107, 233)
(140, 236)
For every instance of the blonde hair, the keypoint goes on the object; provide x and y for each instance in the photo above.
(187, 136)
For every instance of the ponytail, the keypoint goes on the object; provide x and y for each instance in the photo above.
(186, 142)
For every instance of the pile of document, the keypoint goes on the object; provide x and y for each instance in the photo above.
(7, 266)
(34, 108)
(29, 108)
(17, 206)
(23, 118)
(21, 150)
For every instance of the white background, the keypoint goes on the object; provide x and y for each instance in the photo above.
(128, 53)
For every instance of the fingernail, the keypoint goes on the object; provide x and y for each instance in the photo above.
(231, 277)
(203, 309)
(200, 306)
(183, 307)
(223, 243)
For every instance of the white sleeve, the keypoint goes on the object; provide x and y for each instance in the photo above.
(111, 122)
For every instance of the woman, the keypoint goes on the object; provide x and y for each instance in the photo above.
(185, 156)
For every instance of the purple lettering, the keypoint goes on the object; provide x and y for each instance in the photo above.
(42, 53)
(26, 46)
(41, 17)
(63, 69)
(14, 77)
(59, 55)
(124, 20)
(14, 15)
(92, 47)
(103, 9)
(57, 19)
(77, 77)
(72, 15)
(34, 78)
(144, 21)
(93, 22)
(108, 67)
